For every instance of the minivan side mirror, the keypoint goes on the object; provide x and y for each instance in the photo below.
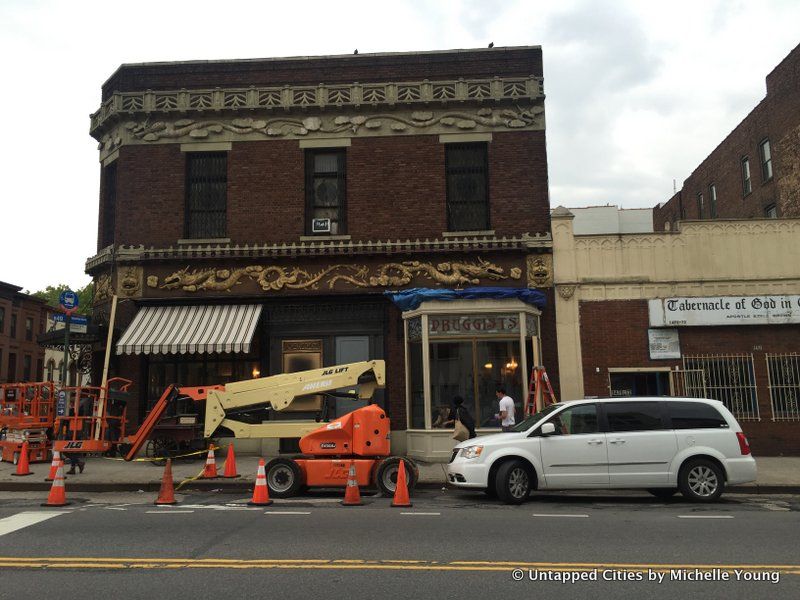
(548, 429)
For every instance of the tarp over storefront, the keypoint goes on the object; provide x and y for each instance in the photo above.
(411, 299)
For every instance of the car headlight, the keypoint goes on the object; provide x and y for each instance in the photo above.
(471, 451)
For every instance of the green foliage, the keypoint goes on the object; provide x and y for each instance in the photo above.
(51, 293)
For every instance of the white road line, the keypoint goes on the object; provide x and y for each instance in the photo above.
(26, 519)
(433, 514)
(705, 516)
(287, 512)
(168, 512)
(561, 516)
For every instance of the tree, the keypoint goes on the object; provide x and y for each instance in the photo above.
(85, 294)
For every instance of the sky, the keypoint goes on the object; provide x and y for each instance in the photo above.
(638, 93)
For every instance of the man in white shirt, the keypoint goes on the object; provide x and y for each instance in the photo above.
(506, 414)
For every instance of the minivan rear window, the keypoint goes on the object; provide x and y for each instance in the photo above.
(694, 415)
(633, 416)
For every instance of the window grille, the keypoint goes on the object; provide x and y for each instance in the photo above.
(783, 371)
(206, 194)
(467, 187)
(731, 380)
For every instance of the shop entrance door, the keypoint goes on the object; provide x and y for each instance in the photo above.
(350, 349)
(630, 384)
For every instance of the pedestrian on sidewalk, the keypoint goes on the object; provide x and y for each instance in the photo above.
(459, 412)
(506, 410)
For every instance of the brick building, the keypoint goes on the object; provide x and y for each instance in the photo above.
(755, 171)
(22, 319)
(278, 199)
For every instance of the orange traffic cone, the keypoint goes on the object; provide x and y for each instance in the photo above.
(23, 466)
(401, 490)
(58, 495)
(166, 494)
(210, 471)
(260, 492)
(54, 466)
(230, 464)
(352, 495)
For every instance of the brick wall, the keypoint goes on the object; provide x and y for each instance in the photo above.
(614, 334)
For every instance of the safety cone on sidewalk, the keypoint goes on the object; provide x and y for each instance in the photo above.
(352, 495)
(401, 498)
(58, 495)
(166, 494)
(260, 492)
(230, 464)
(210, 471)
(23, 466)
(54, 466)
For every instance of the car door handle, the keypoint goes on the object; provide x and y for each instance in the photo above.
(595, 442)
(616, 441)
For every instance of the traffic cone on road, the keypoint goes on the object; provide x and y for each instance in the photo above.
(23, 466)
(401, 498)
(260, 492)
(58, 495)
(54, 466)
(352, 495)
(166, 494)
(230, 464)
(210, 472)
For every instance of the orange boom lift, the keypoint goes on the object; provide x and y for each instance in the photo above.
(26, 413)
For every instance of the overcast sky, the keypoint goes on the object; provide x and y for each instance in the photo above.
(638, 92)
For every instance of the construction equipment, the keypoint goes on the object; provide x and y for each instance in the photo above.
(26, 413)
(540, 392)
(361, 436)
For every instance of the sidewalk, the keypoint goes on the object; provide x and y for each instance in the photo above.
(776, 475)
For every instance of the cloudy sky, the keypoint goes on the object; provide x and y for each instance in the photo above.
(638, 92)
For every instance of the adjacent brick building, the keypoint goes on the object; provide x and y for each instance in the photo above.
(755, 171)
(298, 191)
(22, 319)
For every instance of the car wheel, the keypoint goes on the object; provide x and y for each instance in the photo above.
(284, 477)
(663, 493)
(513, 482)
(701, 480)
(386, 475)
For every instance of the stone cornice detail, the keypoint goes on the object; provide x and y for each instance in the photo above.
(122, 254)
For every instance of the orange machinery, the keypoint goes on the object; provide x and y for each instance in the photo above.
(361, 436)
(26, 413)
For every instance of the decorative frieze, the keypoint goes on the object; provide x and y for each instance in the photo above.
(540, 270)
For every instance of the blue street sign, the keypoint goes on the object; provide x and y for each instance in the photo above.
(74, 319)
(61, 405)
(68, 299)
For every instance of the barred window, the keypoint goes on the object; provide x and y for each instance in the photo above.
(109, 205)
(729, 379)
(784, 386)
(206, 194)
(326, 192)
(467, 187)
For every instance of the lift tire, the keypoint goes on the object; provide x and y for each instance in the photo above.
(386, 474)
(284, 477)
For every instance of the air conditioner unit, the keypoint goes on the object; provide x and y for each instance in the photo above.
(321, 226)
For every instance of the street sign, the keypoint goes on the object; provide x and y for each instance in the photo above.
(68, 299)
(77, 324)
(61, 405)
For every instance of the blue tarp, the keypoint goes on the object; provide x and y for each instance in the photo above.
(411, 299)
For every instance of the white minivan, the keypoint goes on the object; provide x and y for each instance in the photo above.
(662, 445)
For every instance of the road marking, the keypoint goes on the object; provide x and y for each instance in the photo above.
(26, 519)
(560, 515)
(705, 516)
(430, 514)
(94, 563)
(287, 512)
(168, 512)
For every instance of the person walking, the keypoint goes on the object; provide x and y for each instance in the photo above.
(506, 414)
(460, 412)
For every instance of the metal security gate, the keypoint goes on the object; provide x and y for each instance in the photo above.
(783, 372)
(688, 383)
(730, 378)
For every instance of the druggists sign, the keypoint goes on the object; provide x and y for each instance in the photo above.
(724, 310)
(469, 325)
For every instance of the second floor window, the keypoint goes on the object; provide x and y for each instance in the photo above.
(467, 187)
(26, 367)
(712, 199)
(109, 205)
(29, 329)
(747, 184)
(699, 206)
(766, 160)
(325, 192)
(206, 194)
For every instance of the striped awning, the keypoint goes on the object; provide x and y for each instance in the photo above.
(191, 329)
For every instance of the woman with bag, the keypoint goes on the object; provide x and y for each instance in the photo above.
(461, 420)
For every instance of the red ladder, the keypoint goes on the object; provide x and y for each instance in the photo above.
(540, 392)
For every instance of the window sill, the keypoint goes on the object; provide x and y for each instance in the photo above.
(325, 238)
(481, 233)
(204, 241)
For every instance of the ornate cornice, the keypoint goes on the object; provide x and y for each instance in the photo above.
(123, 254)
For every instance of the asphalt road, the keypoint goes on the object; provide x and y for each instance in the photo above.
(449, 544)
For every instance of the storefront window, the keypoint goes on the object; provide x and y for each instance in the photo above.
(416, 386)
(452, 375)
(498, 366)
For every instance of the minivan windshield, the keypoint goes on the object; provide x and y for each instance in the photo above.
(527, 423)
